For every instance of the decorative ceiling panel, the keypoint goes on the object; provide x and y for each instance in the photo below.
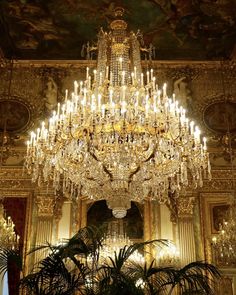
(176, 29)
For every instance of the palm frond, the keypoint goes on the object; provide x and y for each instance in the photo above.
(67, 269)
(197, 276)
(8, 256)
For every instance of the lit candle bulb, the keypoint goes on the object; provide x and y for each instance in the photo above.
(58, 108)
(87, 73)
(81, 87)
(107, 71)
(141, 79)
(66, 95)
(100, 78)
(135, 73)
(204, 143)
(151, 74)
(191, 127)
(31, 137)
(43, 126)
(95, 75)
(173, 97)
(89, 82)
(132, 78)
(164, 90)
(153, 83)
(76, 87)
(197, 134)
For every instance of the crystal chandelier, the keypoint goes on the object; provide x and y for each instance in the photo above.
(224, 244)
(168, 255)
(116, 239)
(8, 237)
(118, 137)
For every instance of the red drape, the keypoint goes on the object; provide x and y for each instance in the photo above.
(16, 208)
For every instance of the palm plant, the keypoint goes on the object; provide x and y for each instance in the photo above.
(76, 267)
(194, 278)
(61, 272)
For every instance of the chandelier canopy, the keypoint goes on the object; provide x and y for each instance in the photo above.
(118, 136)
(8, 237)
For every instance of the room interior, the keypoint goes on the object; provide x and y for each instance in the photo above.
(191, 46)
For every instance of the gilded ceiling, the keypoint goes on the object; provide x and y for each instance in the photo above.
(177, 29)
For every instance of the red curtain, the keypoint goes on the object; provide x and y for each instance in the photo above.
(16, 208)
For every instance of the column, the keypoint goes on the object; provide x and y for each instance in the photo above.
(186, 230)
(64, 222)
(152, 226)
(44, 227)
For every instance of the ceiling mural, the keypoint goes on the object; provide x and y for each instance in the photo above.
(176, 29)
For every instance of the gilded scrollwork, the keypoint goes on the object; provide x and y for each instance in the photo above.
(185, 206)
(45, 205)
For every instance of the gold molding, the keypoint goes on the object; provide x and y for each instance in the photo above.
(207, 200)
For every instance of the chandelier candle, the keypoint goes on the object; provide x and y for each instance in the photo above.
(8, 238)
(118, 136)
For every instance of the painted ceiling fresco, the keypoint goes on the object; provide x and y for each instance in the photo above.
(177, 29)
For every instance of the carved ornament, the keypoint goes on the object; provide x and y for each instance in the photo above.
(185, 206)
(45, 206)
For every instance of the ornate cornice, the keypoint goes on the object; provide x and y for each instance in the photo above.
(155, 63)
(14, 179)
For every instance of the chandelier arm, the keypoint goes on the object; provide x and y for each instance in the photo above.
(103, 166)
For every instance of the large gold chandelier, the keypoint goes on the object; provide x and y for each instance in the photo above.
(8, 238)
(118, 137)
